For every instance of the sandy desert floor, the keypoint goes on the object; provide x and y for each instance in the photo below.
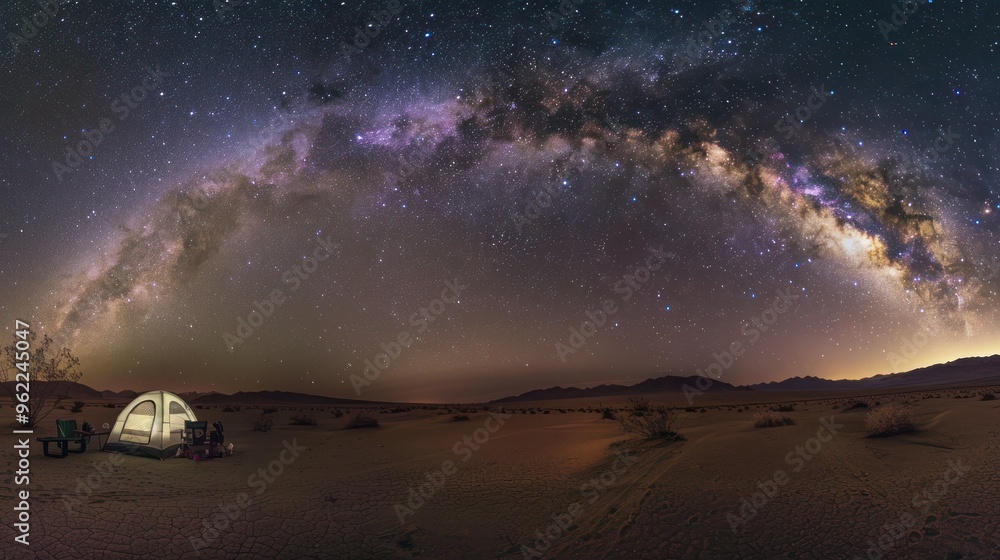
(556, 485)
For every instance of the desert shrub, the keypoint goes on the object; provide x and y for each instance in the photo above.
(337, 413)
(228, 409)
(607, 414)
(304, 420)
(852, 405)
(771, 419)
(110, 405)
(363, 422)
(546, 411)
(269, 410)
(782, 408)
(77, 406)
(398, 409)
(656, 422)
(988, 397)
(460, 418)
(263, 423)
(888, 420)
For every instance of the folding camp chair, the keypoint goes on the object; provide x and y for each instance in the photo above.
(66, 433)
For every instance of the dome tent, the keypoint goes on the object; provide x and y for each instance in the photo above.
(150, 425)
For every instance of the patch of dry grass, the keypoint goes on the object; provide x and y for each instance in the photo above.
(771, 419)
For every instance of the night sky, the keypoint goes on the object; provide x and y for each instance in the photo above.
(743, 148)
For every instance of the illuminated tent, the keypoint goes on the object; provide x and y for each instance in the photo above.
(150, 425)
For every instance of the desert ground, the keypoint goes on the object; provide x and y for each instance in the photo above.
(550, 480)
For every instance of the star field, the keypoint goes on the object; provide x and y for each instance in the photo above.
(535, 155)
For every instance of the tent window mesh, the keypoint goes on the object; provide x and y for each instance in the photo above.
(139, 424)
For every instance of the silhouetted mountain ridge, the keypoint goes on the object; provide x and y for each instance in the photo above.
(667, 383)
(964, 371)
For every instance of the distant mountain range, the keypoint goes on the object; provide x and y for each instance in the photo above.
(665, 384)
(271, 397)
(966, 371)
(81, 392)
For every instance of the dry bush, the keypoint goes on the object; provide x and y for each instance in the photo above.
(304, 420)
(782, 408)
(460, 418)
(263, 423)
(656, 422)
(988, 397)
(57, 367)
(363, 422)
(771, 419)
(888, 420)
(77, 406)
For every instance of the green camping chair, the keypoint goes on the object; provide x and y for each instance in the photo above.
(66, 434)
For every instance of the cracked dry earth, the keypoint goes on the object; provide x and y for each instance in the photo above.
(336, 498)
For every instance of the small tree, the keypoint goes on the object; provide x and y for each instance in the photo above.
(56, 367)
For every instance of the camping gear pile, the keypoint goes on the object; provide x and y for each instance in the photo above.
(194, 446)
